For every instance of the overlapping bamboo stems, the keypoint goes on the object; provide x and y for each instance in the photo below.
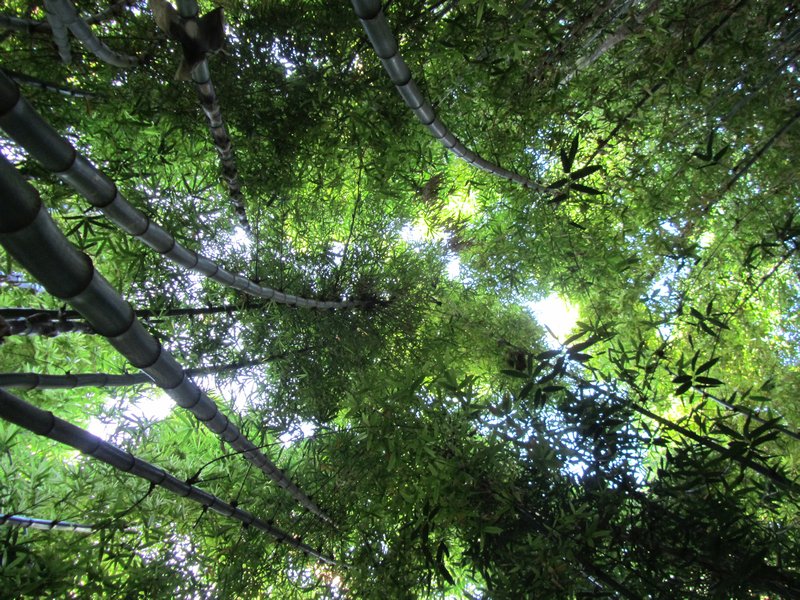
(42, 326)
(385, 45)
(30, 236)
(34, 26)
(68, 381)
(201, 76)
(46, 424)
(24, 125)
(61, 13)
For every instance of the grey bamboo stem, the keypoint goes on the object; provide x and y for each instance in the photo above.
(31, 381)
(201, 76)
(63, 12)
(46, 424)
(56, 525)
(633, 25)
(22, 24)
(23, 79)
(30, 236)
(33, 26)
(31, 523)
(16, 313)
(385, 45)
(41, 325)
(26, 127)
(58, 29)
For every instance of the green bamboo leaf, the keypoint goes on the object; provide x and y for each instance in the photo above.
(584, 172)
(576, 336)
(682, 378)
(558, 184)
(585, 189)
(706, 366)
(573, 151)
(514, 373)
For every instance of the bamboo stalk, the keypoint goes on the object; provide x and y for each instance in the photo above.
(68, 381)
(54, 525)
(25, 126)
(31, 237)
(23, 79)
(46, 424)
(380, 35)
(34, 26)
(633, 25)
(66, 15)
(58, 29)
(41, 325)
(207, 95)
(15, 313)
(31, 523)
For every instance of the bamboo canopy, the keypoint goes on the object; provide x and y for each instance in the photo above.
(26, 127)
(31, 237)
(380, 35)
(46, 424)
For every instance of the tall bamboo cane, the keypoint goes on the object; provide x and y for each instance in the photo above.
(35, 82)
(46, 424)
(25, 126)
(54, 525)
(41, 325)
(68, 381)
(142, 313)
(385, 45)
(173, 22)
(31, 237)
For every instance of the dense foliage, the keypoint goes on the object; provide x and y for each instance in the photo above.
(460, 448)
